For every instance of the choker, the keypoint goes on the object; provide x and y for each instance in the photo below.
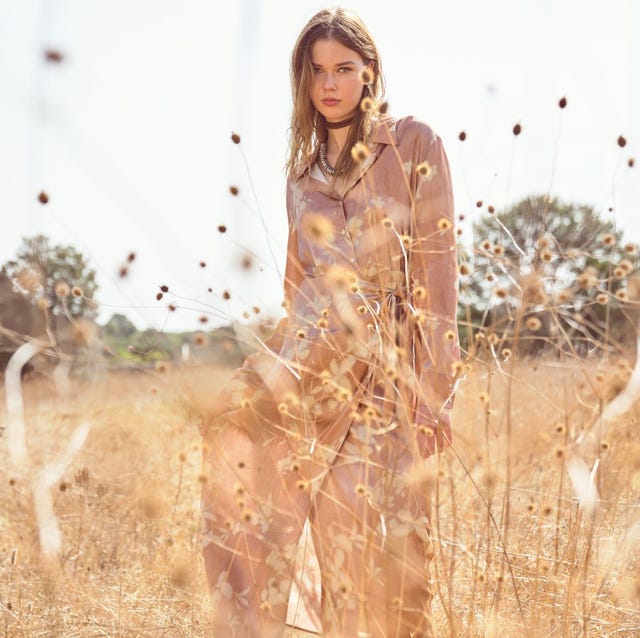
(340, 124)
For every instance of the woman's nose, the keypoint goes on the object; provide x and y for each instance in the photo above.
(329, 82)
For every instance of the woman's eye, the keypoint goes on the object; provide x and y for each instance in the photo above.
(344, 69)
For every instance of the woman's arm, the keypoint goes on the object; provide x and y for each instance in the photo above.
(433, 272)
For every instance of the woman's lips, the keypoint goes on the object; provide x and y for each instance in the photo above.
(330, 101)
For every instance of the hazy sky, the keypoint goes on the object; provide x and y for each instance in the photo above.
(130, 134)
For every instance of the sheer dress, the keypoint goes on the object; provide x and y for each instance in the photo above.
(331, 420)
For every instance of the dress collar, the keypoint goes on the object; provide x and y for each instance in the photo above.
(384, 133)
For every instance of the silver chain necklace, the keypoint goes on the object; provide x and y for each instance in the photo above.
(322, 159)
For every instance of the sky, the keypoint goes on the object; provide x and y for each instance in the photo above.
(130, 134)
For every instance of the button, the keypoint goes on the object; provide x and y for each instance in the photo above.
(352, 260)
(342, 231)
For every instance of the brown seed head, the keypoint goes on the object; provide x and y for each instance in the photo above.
(200, 339)
(235, 138)
(546, 256)
(457, 368)
(517, 129)
(360, 152)
(367, 104)
(29, 280)
(619, 273)
(563, 102)
(43, 198)
(366, 75)
(222, 228)
(62, 289)
(76, 291)
(425, 170)
(462, 136)
(53, 56)
(234, 190)
(534, 324)
(626, 266)
(500, 293)
(318, 227)
(622, 142)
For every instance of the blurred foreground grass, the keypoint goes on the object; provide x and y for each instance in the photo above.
(515, 554)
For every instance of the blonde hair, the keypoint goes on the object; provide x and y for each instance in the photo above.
(308, 127)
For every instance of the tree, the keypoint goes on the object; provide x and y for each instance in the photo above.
(55, 276)
(119, 326)
(557, 260)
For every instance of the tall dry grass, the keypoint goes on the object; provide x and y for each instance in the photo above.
(516, 554)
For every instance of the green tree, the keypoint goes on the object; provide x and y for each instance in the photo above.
(119, 326)
(544, 256)
(55, 275)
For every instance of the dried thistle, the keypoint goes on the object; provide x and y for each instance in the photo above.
(534, 324)
(360, 152)
(62, 289)
(367, 104)
(366, 75)
(425, 170)
(318, 227)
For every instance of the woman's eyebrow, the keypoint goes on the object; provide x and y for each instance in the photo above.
(338, 64)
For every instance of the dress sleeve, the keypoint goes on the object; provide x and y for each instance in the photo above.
(293, 274)
(433, 271)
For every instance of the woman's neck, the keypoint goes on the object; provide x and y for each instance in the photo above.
(336, 139)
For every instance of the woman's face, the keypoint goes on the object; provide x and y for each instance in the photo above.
(336, 87)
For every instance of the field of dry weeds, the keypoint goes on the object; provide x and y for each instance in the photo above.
(516, 553)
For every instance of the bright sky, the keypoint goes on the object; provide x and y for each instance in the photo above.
(130, 135)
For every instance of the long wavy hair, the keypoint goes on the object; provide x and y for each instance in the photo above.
(308, 126)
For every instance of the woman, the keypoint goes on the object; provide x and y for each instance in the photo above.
(332, 419)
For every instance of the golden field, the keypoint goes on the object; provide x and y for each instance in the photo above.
(516, 554)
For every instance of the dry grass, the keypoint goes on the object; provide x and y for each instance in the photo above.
(516, 555)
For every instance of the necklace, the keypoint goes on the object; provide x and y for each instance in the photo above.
(341, 123)
(322, 160)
